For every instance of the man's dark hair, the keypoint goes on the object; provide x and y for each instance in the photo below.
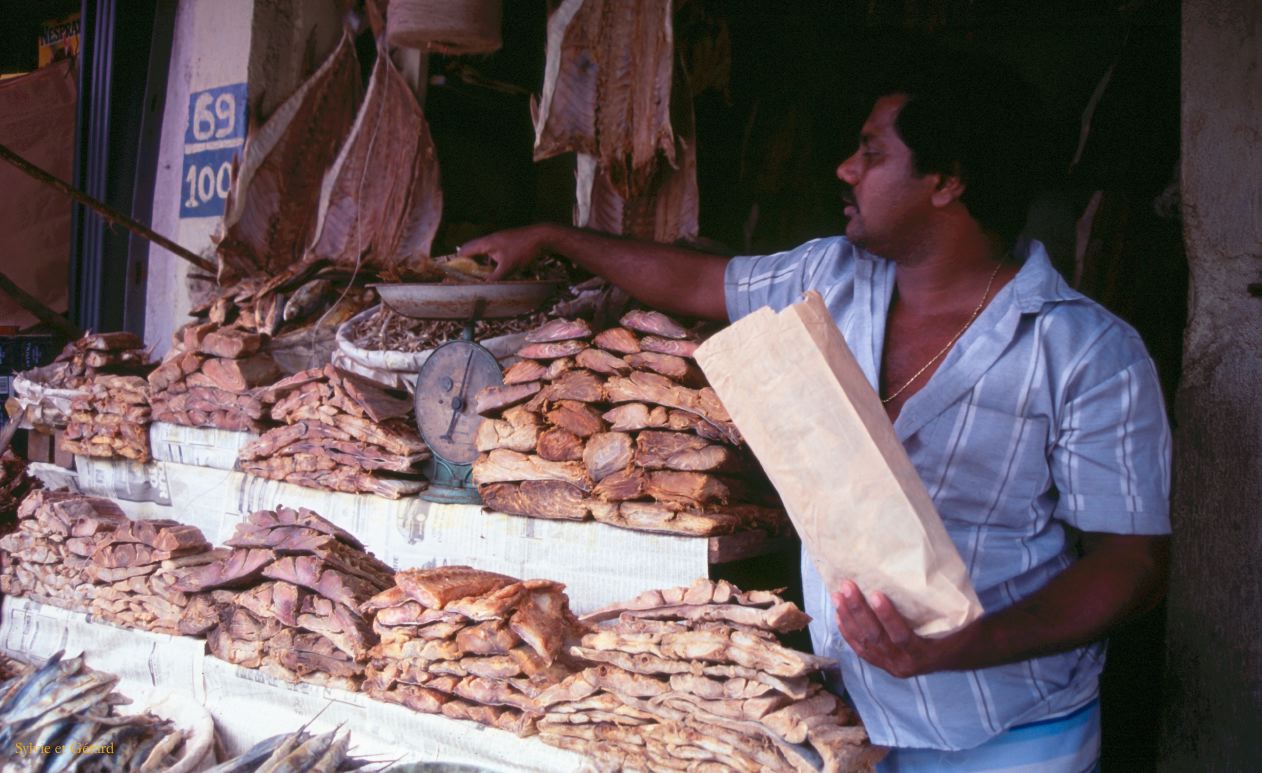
(973, 117)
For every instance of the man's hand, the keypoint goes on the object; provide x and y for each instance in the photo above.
(882, 636)
(1121, 575)
(509, 250)
(676, 280)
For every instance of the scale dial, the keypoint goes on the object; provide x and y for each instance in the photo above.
(445, 387)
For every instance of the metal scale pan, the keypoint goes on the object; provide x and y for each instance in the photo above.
(458, 370)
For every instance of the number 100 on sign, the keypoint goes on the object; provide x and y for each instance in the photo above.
(207, 177)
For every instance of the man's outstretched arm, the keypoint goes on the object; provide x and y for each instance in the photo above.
(1120, 577)
(672, 279)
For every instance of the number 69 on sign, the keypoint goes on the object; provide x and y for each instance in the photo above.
(206, 180)
(216, 115)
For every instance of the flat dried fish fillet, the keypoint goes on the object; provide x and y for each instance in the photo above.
(667, 208)
(270, 210)
(653, 323)
(493, 637)
(559, 330)
(537, 499)
(557, 445)
(712, 646)
(381, 200)
(435, 587)
(607, 85)
(504, 466)
(601, 361)
(498, 433)
(643, 387)
(542, 622)
(617, 340)
(575, 417)
(523, 372)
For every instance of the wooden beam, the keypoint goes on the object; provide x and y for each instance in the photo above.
(41, 312)
(110, 214)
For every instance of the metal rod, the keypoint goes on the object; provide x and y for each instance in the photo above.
(42, 312)
(111, 215)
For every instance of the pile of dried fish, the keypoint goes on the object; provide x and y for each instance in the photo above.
(469, 644)
(112, 420)
(15, 484)
(342, 432)
(296, 751)
(688, 676)
(286, 599)
(37, 560)
(108, 353)
(137, 565)
(68, 708)
(621, 428)
(210, 378)
(85, 553)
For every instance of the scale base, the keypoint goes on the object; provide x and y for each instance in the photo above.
(449, 483)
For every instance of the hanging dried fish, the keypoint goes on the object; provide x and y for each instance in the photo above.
(668, 208)
(381, 200)
(607, 85)
(269, 215)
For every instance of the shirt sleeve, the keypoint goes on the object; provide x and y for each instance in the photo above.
(777, 280)
(1111, 461)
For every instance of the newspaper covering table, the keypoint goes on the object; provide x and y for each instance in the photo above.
(249, 706)
(598, 563)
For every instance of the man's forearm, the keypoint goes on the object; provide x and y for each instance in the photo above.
(1122, 577)
(662, 276)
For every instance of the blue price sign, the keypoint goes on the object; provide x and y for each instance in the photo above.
(215, 115)
(207, 178)
(215, 133)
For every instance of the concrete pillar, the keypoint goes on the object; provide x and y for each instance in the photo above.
(228, 54)
(1213, 688)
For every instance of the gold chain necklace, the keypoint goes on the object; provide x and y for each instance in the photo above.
(977, 311)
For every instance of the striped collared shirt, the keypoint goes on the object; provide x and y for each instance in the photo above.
(1047, 412)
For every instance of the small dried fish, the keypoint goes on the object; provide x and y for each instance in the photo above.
(65, 705)
(388, 330)
(296, 751)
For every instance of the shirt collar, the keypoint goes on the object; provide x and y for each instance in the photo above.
(1038, 283)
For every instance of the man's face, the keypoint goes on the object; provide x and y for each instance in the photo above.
(888, 204)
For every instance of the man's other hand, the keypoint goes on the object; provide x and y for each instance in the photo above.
(883, 637)
(1121, 576)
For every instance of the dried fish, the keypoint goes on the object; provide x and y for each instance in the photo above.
(65, 705)
(269, 214)
(296, 751)
(607, 85)
(381, 201)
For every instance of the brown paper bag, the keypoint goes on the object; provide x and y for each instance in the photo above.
(809, 414)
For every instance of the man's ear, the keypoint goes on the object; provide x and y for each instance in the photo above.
(950, 187)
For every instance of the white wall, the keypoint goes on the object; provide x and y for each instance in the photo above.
(211, 48)
(269, 45)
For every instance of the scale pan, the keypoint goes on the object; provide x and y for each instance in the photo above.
(485, 300)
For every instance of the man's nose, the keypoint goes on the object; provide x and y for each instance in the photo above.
(847, 170)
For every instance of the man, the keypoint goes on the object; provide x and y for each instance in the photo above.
(1026, 408)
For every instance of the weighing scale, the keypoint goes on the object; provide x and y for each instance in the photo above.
(456, 371)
